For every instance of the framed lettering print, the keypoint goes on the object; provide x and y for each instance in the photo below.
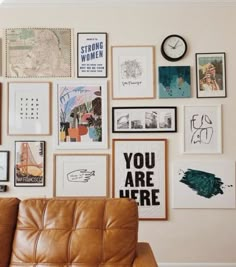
(140, 172)
(92, 54)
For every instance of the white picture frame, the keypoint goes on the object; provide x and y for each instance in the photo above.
(81, 175)
(202, 133)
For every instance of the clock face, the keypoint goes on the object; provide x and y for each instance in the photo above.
(173, 48)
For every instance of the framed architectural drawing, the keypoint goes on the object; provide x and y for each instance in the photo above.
(202, 129)
(29, 108)
(81, 175)
(4, 166)
(92, 54)
(81, 110)
(38, 52)
(140, 172)
(144, 119)
(29, 163)
(211, 75)
(204, 184)
(133, 72)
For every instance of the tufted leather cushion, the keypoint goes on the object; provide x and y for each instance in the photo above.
(8, 216)
(75, 233)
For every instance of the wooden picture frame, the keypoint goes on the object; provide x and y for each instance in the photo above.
(133, 72)
(4, 163)
(81, 175)
(140, 172)
(29, 108)
(154, 119)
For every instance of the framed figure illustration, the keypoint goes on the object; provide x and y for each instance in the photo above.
(140, 172)
(133, 72)
(211, 75)
(4, 166)
(202, 129)
(91, 54)
(29, 163)
(81, 109)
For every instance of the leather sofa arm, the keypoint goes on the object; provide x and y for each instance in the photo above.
(144, 256)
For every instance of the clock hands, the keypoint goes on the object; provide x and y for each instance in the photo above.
(174, 46)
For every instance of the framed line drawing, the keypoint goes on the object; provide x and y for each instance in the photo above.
(144, 119)
(4, 166)
(29, 163)
(81, 175)
(133, 72)
(140, 172)
(1, 113)
(91, 54)
(81, 110)
(202, 129)
(204, 184)
(174, 82)
(29, 108)
(211, 75)
(38, 53)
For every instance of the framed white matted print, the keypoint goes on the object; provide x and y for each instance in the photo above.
(133, 72)
(29, 110)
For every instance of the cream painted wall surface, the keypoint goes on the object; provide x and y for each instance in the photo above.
(199, 235)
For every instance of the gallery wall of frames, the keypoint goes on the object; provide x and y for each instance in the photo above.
(45, 98)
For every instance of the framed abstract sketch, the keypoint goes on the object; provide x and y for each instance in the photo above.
(140, 172)
(81, 110)
(29, 108)
(29, 163)
(211, 75)
(202, 129)
(4, 166)
(174, 82)
(38, 52)
(144, 119)
(81, 175)
(92, 54)
(133, 72)
(204, 184)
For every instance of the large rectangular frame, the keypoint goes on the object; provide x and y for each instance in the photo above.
(144, 119)
(81, 175)
(133, 72)
(140, 172)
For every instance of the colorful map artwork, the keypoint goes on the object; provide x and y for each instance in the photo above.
(38, 52)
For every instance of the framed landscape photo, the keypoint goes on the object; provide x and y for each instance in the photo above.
(92, 54)
(4, 166)
(140, 172)
(144, 119)
(29, 163)
(81, 175)
(29, 108)
(81, 111)
(133, 72)
(202, 129)
(38, 53)
(174, 82)
(211, 75)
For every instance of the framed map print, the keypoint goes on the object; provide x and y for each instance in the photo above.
(38, 52)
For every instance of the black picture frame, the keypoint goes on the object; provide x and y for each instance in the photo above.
(92, 54)
(153, 119)
(4, 162)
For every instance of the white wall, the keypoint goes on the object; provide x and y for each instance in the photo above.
(189, 235)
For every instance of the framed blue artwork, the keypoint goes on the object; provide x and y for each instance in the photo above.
(174, 82)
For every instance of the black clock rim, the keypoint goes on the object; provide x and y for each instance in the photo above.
(171, 58)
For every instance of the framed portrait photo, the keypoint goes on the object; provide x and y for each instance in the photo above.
(29, 108)
(211, 75)
(81, 111)
(202, 129)
(29, 163)
(133, 72)
(92, 54)
(140, 172)
(4, 166)
(144, 119)
(81, 175)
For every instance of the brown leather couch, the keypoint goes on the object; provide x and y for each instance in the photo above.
(71, 233)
